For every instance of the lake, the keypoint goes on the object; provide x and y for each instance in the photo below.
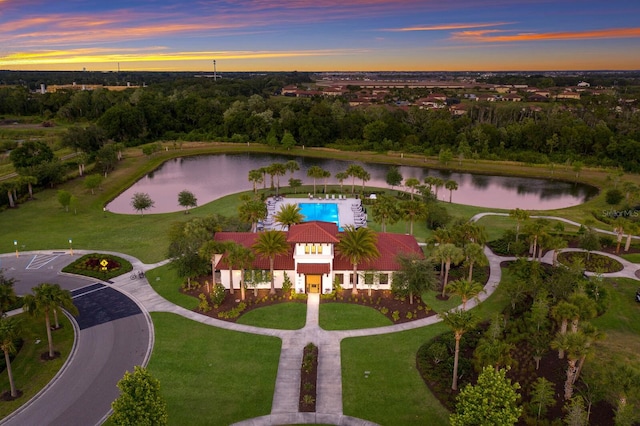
(210, 177)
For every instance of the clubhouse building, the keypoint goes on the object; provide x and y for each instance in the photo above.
(312, 264)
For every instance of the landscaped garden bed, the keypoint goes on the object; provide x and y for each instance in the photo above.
(592, 262)
(308, 379)
(100, 266)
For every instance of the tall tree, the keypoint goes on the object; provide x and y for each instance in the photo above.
(520, 216)
(141, 201)
(451, 185)
(412, 183)
(315, 172)
(415, 276)
(474, 255)
(271, 244)
(354, 171)
(394, 177)
(140, 401)
(252, 211)
(460, 322)
(448, 254)
(413, 210)
(385, 211)
(9, 332)
(255, 177)
(187, 199)
(357, 245)
(8, 295)
(47, 298)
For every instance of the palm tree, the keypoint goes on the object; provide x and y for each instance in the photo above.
(493, 352)
(30, 181)
(520, 216)
(292, 166)
(232, 250)
(365, 176)
(442, 235)
(245, 259)
(412, 183)
(271, 244)
(413, 210)
(385, 211)
(9, 332)
(586, 309)
(47, 298)
(252, 211)
(460, 322)
(255, 177)
(632, 227)
(448, 254)
(278, 169)
(341, 177)
(474, 255)
(575, 345)
(536, 232)
(437, 183)
(354, 171)
(415, 275)
(7, 293)
(315, 172)
(357, 245)
(451, 185)
(563, 312)
(618, 228)
(466, 289)
(326, 174)
(288, 215)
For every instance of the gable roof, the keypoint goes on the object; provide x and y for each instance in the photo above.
(313, 232)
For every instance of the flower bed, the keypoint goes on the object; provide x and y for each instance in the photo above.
(100, 266)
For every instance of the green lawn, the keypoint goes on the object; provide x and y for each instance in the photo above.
(210, 375)
(343, 316)
(166, 282)
(394, 392)
(29, 372)
(631, 257)
(283, 316)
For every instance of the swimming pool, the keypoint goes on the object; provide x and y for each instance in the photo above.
(326, 212)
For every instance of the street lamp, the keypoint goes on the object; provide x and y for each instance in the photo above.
(15, 243)
(70, 247)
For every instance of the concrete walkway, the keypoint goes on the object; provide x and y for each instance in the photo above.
(329, 389)
(329, 408)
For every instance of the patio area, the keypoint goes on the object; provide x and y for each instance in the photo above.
(350, 210)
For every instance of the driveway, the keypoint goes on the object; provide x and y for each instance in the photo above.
(112, 336)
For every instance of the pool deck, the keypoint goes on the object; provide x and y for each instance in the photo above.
(346, 214)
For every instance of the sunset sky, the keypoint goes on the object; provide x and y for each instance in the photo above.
(320, 35)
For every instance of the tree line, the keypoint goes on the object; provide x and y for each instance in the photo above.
(596, 130)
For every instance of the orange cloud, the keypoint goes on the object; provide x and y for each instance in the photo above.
(489, 36)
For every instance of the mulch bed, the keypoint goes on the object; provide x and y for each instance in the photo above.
(308, 379)
(397, 309)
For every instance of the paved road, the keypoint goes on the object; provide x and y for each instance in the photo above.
(113, 335)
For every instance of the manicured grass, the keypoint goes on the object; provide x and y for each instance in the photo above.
(29, 372)
(166, 282)
(429, 298)
(210, 375)
(631, 257)
(344, 316)
(394, 392)
(283, 316)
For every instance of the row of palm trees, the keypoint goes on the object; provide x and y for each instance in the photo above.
(431, 184)
(45, 302)
(276, 170)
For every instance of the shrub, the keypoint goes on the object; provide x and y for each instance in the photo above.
(614, 196)
(203, 306)
(395, 316)
(218, 294)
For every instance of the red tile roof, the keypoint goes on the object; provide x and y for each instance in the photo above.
(389, 246)
(313, 232)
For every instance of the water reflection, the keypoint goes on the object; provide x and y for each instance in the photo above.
(213, 176)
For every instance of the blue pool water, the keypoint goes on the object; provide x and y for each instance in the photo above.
(326, 212)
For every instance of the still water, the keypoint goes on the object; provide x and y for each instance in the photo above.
(210, 177)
